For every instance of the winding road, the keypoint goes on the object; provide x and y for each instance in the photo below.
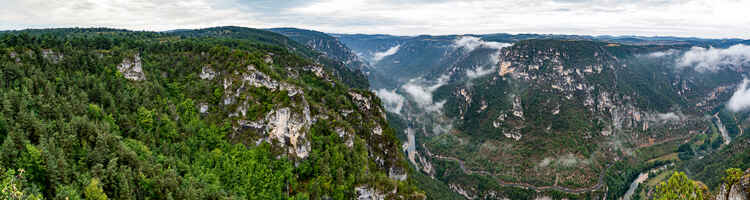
(529, 186)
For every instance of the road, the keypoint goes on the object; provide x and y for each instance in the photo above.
(529, 186)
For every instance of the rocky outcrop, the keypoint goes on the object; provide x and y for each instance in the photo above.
(461, 191)
(131, 68)
(368, 193)
(207, 73)
(289, 128)
(737, 191)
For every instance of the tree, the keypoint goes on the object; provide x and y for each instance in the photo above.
(14, 186)
(679, 186)
(733, 175)
(94, 191)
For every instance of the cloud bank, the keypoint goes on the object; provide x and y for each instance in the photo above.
(469, 43)
(392, 101)
(701, 18)
(422, 91)
(713, 59)
(741, 98)
(382, 54)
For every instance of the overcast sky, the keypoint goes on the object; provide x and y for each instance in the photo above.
(699, 18)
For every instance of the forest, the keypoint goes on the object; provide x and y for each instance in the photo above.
(73, 127)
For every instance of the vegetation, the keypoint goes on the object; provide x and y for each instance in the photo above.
(679, 186)
(73, 127)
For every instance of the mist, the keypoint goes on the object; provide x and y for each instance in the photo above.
(713, 59)
(392, 101)
(469, 43)
(741, 98)
(382, 54)
(422, 92)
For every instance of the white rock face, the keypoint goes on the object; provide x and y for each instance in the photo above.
(203, 107)
(367, 193)
(737, 193)
(346, 135)
(722, 195)
(461, 191)
(286, 127)
(268, 59)
(207, 73)
(131, 68)
(517, 108)
(377, 130)
(362, 101)
(318, 70)
(259, 79)
(514, 134)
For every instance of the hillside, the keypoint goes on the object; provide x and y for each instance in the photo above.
(527, 116)
(326, 44)
(220, 113)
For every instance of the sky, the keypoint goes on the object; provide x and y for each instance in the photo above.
(686, 18)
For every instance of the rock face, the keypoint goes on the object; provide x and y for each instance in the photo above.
(207, 73)
(723, 192)
(367, 193)
(132, 69)
(289, 128)
(737, 191)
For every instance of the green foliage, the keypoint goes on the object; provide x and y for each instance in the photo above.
(679, 186)
(685, 151)
(622, 173)
(94, 191)
(733, 175)
(14, 186)
(80, 130)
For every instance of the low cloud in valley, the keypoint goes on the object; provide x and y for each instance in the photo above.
(392, 101)
(421, 91)
(377, 56)
(469, 43)
(712, 59)
(741, 98)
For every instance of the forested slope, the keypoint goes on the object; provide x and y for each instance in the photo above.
(92, 113)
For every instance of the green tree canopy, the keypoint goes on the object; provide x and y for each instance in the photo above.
(679, 186)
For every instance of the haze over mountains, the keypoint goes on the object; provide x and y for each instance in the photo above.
(286, 113)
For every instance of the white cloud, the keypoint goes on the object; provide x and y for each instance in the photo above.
(377, 56)
(392, 101)
(421, 92)
(660, 54)
(670, 116)
(156, 15)
(469, 43)
(741, 98)
(713, 59)
(702, 18)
